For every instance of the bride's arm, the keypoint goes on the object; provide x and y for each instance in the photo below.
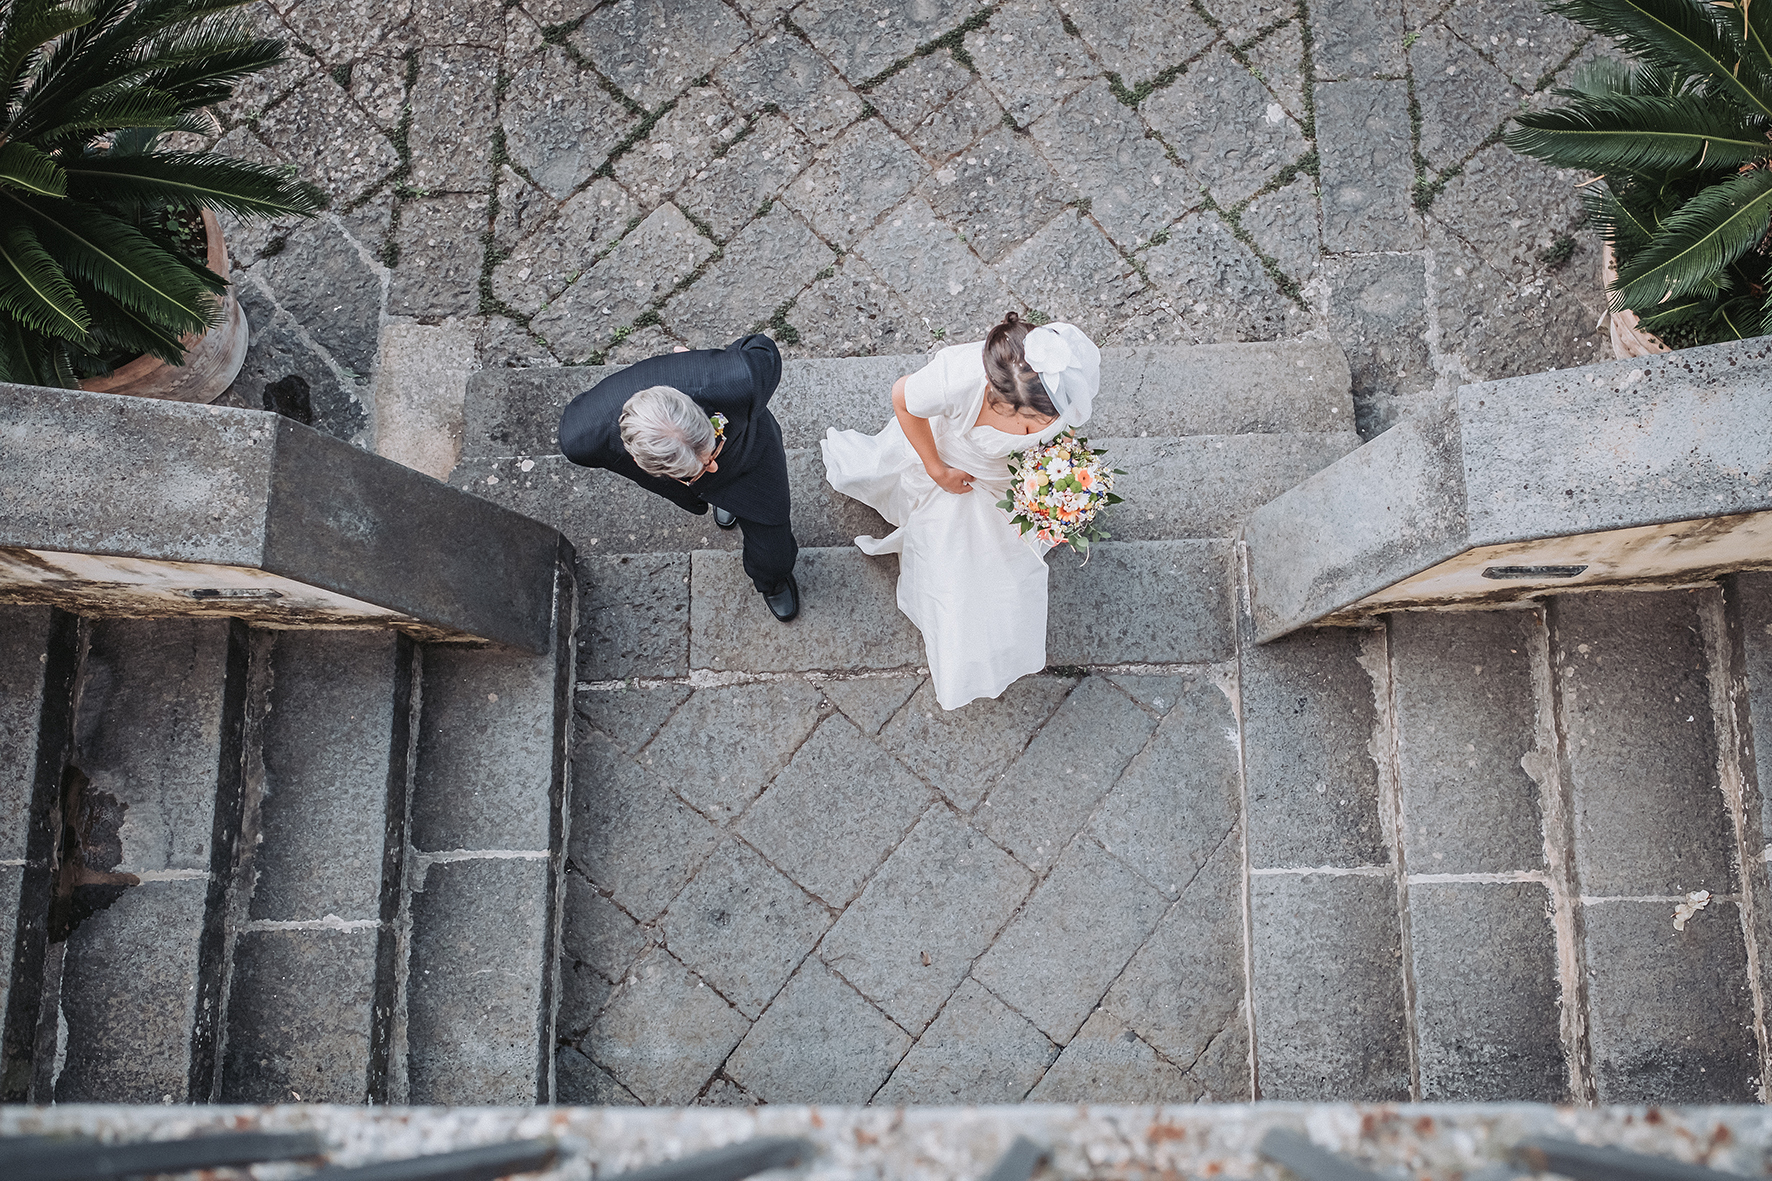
(922, 440)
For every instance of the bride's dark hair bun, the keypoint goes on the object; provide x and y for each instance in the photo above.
(1014, 383)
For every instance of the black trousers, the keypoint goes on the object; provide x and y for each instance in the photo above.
(769, 554)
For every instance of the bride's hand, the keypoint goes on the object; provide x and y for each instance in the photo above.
(952, 479)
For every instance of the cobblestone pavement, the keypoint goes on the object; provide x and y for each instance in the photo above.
(790, 889)
(851, 896)
(560, 181)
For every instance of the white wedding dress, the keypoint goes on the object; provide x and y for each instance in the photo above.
(973, 584)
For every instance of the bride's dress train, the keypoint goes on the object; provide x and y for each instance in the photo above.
(970, 581)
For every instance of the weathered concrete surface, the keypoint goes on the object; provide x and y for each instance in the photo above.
(300, 1020)
(1486, 994)
(478, 1015)
(1649, 816)
(1665, 441)
(1270, 387)
(1465, 719)
(330, 744)
(1328, 986)
(158, 744)
(1431, 1140)
(135, 478)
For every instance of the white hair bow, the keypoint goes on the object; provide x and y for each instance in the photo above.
(1069, 366)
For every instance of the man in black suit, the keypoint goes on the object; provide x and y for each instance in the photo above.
(694, 426)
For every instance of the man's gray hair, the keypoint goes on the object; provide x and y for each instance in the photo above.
(666, 433)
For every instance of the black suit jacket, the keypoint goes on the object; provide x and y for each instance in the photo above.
(736, 381)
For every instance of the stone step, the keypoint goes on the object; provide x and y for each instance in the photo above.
(158, 769)
(1484, 905)
(315, 988)
(1670, 1012)
(1325, 934)
(488, 830)
(39, 661)
(661, 615)
(1197, 486)
(1285, 387)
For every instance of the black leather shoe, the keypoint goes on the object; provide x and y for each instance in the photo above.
(723, 518)
(784, 603)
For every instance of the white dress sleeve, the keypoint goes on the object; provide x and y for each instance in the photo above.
(944, 387)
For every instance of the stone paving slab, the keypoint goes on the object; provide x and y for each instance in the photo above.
(1649, 816)
(1198, 940)
(1106, 1060)
(1050, 792)
(1001, 1055)
(936, 904)
(1486, 992)
(835, 811)
(1308, 718)
(1670, 1010)
(665, 1062)
(743, 927)
(1282, 387)
(839, 1048)
(1466, 717)
(1328, 987)
(481, 948)
(1094, 908)
(286, 1037)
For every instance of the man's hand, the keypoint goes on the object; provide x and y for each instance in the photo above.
(952, 479)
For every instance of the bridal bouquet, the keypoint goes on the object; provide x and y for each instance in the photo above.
(1058, 489)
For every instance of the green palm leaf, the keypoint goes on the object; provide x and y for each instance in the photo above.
(31, 24)
(210, 76)
(1637, 133)
(1712, 230)
(1676, 312)
(24, 167)
(33, 289)
(117, 329)
(108, 108)
(95, 247)
(25, 355)
(1616, 220)
(1679, 35)
(1754, 26)
(215, 182)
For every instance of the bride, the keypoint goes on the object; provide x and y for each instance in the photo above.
(967, 578)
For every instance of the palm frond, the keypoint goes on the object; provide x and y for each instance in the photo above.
(29, 27)
(1753, 24)
(1674, 313)
(211, 77)
(1616, 220)
(25, 356)
(1599, 78)
(1677, 35)
(118, 329)
(1635, 133)
(216, 182)
(1710, 231)
(33, 289)
(117, 259)
(108, 108)
(24, 167)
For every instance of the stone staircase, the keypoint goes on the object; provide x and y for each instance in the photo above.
(1434, 857)
(264, 866)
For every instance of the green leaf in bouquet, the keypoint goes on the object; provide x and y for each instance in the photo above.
(1113, 499)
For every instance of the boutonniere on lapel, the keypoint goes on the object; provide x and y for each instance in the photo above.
(719, 420)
